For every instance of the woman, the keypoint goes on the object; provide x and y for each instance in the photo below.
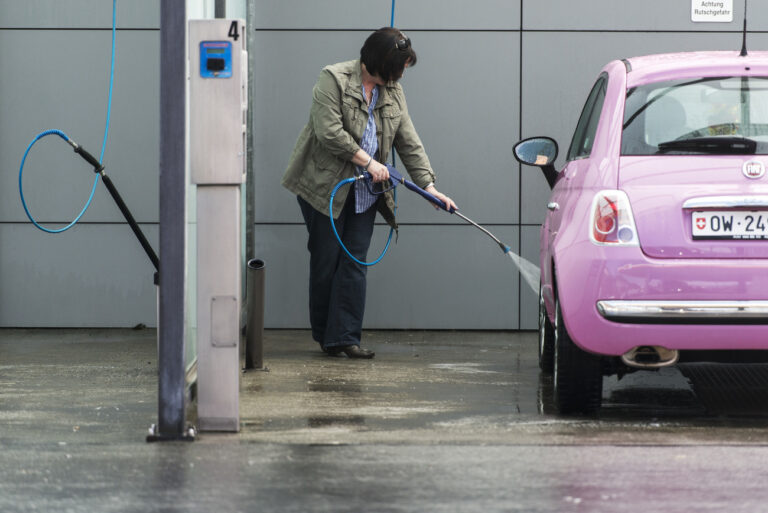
(358, 113)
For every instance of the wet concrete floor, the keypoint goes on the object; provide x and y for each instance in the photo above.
(438, 421)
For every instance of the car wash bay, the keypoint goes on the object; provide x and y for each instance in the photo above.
(439, 421)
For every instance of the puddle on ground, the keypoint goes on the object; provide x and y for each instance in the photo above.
(336, 420)
(349, 388)
(466, 368)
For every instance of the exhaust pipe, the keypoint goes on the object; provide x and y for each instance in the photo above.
(650, 357)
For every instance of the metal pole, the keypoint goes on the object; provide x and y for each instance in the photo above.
(250, 191)
(220, 10)
(171, 300)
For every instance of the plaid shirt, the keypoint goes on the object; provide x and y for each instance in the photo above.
(370, 144)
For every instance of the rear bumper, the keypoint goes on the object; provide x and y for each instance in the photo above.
(684, 312)
(616, 299)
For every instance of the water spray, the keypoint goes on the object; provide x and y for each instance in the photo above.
(528, 270)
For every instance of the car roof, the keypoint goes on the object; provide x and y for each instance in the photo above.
(655, 68)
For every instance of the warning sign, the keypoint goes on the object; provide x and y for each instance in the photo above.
(712, 11)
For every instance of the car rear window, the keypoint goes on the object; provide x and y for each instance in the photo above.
(713, 115)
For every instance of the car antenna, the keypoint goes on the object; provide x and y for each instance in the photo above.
(744, 36)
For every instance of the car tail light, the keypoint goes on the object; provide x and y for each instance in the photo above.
(611, 221)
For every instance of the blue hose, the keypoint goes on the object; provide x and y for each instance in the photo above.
(68, 140)
(21, 188)
(111, 81)
(336, 233)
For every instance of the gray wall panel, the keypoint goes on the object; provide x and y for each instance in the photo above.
(466, 129)
(463, 99)
(55, 94)
(283, 248)
(78, 13)
(454, 15)
(424, 14)
(627, 15)
(91, 276)
(336, 15)
(444, 277)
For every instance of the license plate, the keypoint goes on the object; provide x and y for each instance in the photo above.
(731, 224)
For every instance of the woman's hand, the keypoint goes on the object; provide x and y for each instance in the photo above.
(450, 205)
(378, 171)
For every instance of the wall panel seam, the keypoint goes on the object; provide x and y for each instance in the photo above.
(405, 29)
(509, 31)
(519, 170)
(638, 31)
(83, 29)
(81, 223)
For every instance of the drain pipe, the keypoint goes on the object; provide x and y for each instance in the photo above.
(254, 325)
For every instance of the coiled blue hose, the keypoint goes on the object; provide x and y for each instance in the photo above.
(68, 140)
(336, 233)
(21, 188)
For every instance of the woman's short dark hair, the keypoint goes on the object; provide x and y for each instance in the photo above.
(386, 52)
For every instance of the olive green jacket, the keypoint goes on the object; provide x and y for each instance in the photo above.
(322, 155)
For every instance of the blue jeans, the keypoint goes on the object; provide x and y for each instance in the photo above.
(336, 283)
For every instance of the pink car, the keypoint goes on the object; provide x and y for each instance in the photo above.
(655, 245)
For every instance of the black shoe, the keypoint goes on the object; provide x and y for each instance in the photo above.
(352, 351)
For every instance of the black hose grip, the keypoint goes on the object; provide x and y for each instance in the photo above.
(97, 167)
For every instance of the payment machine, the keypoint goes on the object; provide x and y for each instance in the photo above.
(218, 107)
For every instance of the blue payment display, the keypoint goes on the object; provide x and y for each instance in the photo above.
(215, 59)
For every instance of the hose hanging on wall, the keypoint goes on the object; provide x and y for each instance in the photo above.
(21, 186)
(64, 136)
(97, 164)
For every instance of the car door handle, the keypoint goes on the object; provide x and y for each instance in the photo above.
(553, 206)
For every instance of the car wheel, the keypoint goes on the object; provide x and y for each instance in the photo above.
(546, 338)
(578, 375)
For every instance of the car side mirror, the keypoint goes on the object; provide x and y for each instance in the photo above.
(541, 152)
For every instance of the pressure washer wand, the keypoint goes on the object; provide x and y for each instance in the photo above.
(397, 177)
(504, 247)
(99, 168)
